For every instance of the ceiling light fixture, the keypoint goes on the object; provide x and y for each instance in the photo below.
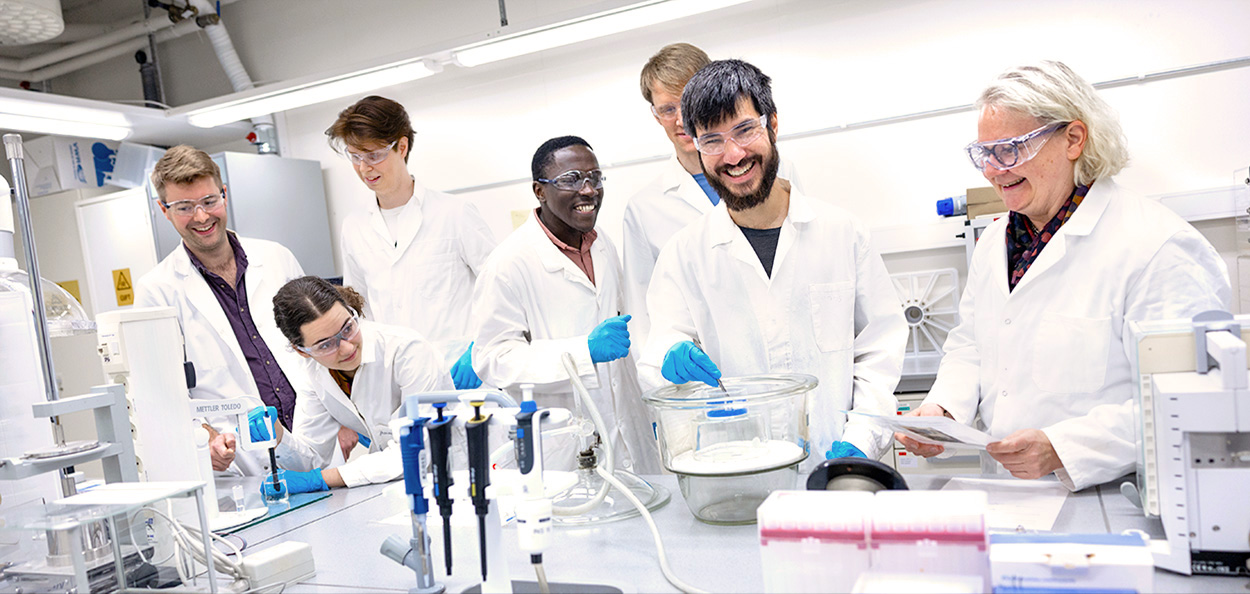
(45, 115)
(310, 94)
(581, 29)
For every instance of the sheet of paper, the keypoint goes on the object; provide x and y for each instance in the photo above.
(935, 430)
(1013, 503)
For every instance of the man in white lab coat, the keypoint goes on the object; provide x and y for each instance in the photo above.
(553, 287)
(1039, 353)
(222, 286)
(773, 280)
(414, 253)
(680, 195)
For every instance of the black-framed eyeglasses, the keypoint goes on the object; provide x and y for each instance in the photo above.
(573, 180)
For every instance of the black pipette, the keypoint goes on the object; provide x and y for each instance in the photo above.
(440, 445)
(479, 472)
(273, 458)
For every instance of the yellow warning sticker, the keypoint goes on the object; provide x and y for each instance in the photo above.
(121, 285)
(71, 287)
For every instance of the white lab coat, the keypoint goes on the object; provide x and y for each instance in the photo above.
(424, 278)
(531, 305)
(659, 210)
(395, 362)
(829, 310)
(1051, 354)
(221, 371)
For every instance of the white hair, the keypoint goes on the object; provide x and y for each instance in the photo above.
(1052, 92)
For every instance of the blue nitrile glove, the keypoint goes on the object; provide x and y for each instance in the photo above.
(296, 482)
(364, 441)
(843, 449)
(609, 340)
(686, 362)
(256, 422)
(462, 374)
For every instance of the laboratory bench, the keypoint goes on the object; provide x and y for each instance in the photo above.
(347, 529)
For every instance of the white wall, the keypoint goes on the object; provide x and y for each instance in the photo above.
(833, 63)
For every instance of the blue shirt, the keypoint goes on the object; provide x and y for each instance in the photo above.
(707, 188)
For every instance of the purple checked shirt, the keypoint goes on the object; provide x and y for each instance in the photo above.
(272, 384)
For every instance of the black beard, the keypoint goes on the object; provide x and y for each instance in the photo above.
(740, 203)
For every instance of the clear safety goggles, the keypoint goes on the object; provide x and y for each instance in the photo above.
(371, 157)
(666, 111)
(186, 208)
(330, 345)
(741, 135)
(1006, 153)
(574, 180)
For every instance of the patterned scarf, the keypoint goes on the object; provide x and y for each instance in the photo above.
(1025, 243)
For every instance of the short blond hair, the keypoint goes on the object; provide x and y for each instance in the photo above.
(183, 164)
(671, 68)
(1051, 92)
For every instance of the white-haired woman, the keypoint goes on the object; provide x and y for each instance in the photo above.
(1039, 351)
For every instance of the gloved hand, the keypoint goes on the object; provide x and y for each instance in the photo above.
(296, 482)
(843, 449)
(609, 340)
(686, 362)
(462, 374)
(258, 422)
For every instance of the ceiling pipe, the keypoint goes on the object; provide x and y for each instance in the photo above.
(96, 57)
(264, 135)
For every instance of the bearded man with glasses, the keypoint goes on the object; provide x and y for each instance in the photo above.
(1038, 359)
(412, 252)
(774, 281)
(680, 194)
(222, 287)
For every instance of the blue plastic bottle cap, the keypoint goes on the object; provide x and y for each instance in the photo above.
(726, 412)
(946, 207)
(529, 406)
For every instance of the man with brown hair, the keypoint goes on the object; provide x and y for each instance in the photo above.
(222, 286)
(680, 194)
(414, 253)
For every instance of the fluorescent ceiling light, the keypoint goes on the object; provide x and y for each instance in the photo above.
(311, 94)
(578, 30)
(50, 117)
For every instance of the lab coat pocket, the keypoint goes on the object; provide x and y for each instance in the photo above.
(833, 315)
(1070, 353)
(432, 274)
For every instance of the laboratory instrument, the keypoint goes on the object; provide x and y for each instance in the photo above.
(854, 474)
(730, 452)
(1059, 563)
(416, 555)
(440, 448)
(1194, 448)
(477, 434)
(533, 511)
(591, 499)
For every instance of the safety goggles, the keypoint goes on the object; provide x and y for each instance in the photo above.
(330, 345)
(741, 135)
(574, 180)
(186, 208)
(666, 111)
(372, 157)
(1011, 152)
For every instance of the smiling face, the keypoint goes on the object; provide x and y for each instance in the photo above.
(329, 325)
(1040, 186)
(569, 213)
(387, 176)
(743, 176)
(204, 232)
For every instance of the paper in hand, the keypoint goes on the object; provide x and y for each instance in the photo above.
(941, 431)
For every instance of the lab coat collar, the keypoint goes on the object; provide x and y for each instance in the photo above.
(722, 230)
(1081, 224)
(408, 224)
(325, 384)
(676, 179)
(554, 261)
(201, 296)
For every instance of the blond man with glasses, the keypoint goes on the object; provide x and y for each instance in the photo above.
(222, 286)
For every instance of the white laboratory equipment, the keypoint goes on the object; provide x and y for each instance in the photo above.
(930, 301)
(732, 445)
(1193, 407)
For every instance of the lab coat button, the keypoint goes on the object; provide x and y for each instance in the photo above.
(1004, 393)
(1007, 321)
